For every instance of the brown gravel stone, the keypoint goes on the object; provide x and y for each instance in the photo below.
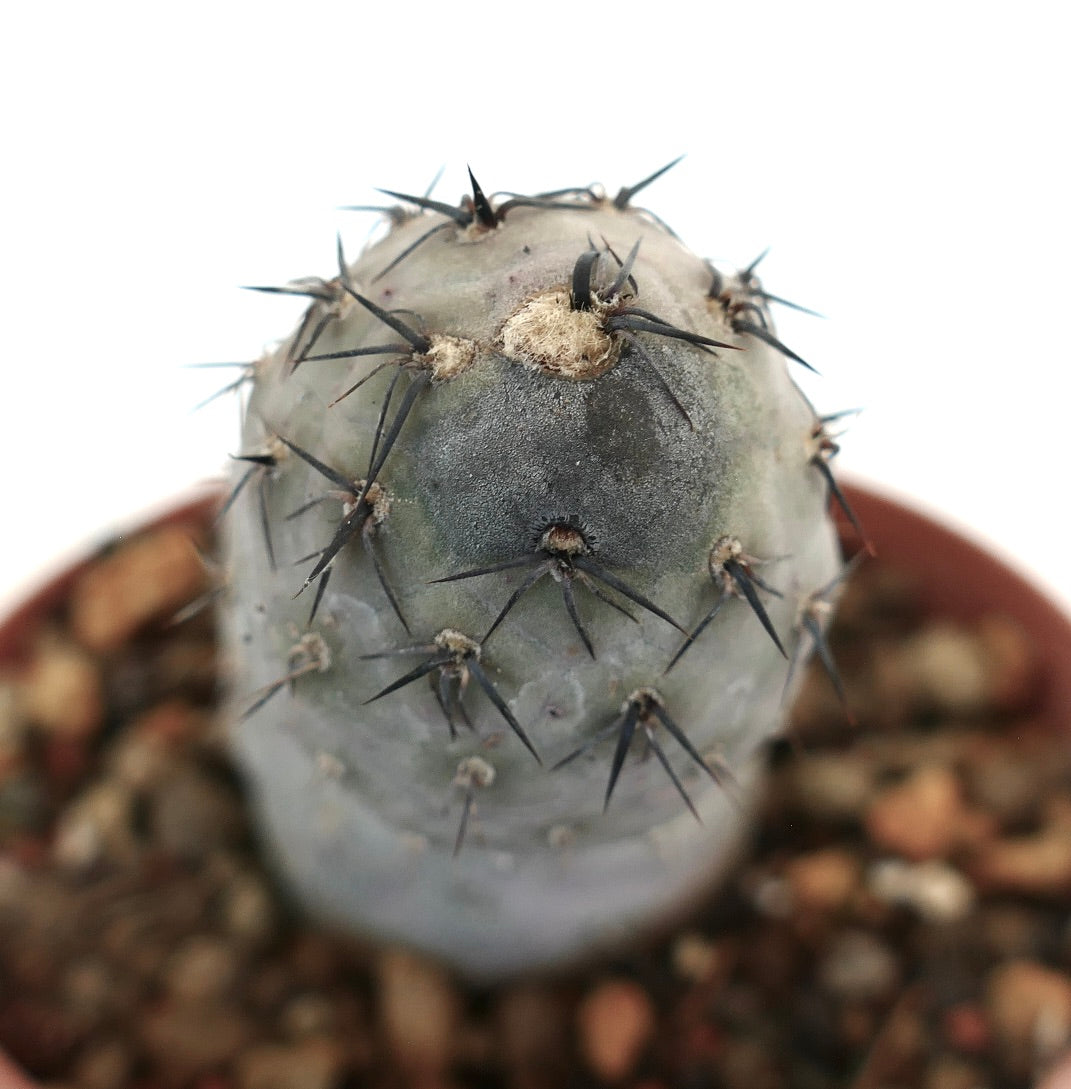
(313, 959)
(946, 669)
(308, 1014)
(926, 816)
(823, 881)
(172, 723)
(248, 910)
(310, 1064)
(1029, 1005)
(614, 1025)
(831, 786)
(189, 1039)
(193, 814)
(13, 729)
(98, 826)
(419, 1010)
(952, 1072)
(966, 1027)
(858, 966)
(1012, 665)
(146, 578)
(1011, 777)
(61, 689)
(203, 968)
(92, 992)
(1039, 864)
(1058, 1076)
(748, 1064)
(531, 1029)
(936, 891)
(104, 1064)
(698, 959)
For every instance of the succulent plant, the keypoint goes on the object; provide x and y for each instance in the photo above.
(560, 516)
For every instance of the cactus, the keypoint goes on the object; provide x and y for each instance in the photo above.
(560, 520)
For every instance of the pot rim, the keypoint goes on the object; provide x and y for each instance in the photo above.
(942, 558)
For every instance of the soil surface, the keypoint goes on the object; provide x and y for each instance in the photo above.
(901, 918)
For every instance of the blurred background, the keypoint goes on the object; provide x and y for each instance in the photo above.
(906, 164)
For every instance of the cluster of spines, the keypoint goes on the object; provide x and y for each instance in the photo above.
(452, 659)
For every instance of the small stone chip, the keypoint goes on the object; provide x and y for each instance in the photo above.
(615, 1022)
(201, 969)
(1037, 865)
(936, 890)
(823, 880)
(315, 1063)
(419, 1009)
(147, 578)
(858, 966)
(947, 668)
(61, 690)
(98, 826)
(926, 816)
(1030, 1008)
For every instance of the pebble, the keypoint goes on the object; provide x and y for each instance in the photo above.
(1010, 777)
(90, 991)
(948, 670)
(697, 959)
(137, 761)
(186, 1040)
(615, 1022)
(531, 1028)
(831, 786)
(822, 881)
(247, 910)
(62, 692)
(419, 1010)
(97, 826)
(967, 1028)
(925, 816)
(748, 1064)
(1058, 1076)
(202, 968)
(193, 814)
(952, 1072)
(148, 577)
(1029, 1006)
(308, 1014)
(1013, 667)
(938, 892)
(309, 1064)
(104, 1064)
(13, 729)
(858, 966)
(23, 805)
(1039, 865)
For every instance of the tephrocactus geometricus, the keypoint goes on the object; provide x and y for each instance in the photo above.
(561, 521)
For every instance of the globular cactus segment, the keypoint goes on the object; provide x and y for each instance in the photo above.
(532, 453)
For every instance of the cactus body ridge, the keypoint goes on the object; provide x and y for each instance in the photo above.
(557, 505)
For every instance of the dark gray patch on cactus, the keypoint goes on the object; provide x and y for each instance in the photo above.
(547, 441)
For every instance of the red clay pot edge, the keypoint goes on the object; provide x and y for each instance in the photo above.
(17, 627)
(958, 577)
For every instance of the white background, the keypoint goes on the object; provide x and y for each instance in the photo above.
(907, 163)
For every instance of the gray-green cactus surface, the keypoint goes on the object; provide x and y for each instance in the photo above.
(531, 525)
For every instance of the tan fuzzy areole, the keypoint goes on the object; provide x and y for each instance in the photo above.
(546, 332)
(449, 356)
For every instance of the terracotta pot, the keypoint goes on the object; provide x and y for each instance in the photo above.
(959, 579)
